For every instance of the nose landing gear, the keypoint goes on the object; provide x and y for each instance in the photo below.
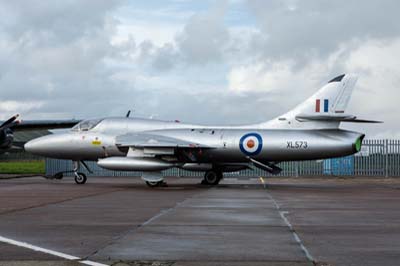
(80, 178)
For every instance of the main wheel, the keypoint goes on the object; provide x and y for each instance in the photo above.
(220, 176)
(211, 178)
(80, 178)
(152, 184)
(156, 184)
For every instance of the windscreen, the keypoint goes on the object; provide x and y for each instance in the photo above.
(86, 125)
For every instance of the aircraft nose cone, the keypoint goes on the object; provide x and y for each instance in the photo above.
(30, 146)
(47, 146)
(36, 146)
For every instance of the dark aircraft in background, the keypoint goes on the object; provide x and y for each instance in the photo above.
(8, 127)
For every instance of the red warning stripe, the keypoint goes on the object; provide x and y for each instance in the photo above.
(317, 105)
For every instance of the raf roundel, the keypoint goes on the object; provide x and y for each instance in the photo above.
(251, 144)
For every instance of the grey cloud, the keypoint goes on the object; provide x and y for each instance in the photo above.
(211, 108)
(54, 21)
(165, 57)
(56, 50)
(303, 30)
(204, 40)
(205, 36)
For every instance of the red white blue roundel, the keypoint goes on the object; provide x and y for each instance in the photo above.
(251, 144)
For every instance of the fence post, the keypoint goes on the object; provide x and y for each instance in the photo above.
(386, 158)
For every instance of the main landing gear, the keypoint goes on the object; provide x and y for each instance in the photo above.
(212, 178)
(156, 183)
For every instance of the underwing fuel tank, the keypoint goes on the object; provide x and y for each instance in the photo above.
(134, 164)
(197, 166)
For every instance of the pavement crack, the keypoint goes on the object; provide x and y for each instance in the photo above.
(292, 230)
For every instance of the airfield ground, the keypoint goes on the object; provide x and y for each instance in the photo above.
(120, 221)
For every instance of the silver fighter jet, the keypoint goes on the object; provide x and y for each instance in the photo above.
(309, 131)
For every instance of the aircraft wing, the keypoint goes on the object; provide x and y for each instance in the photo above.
(146, 140)
(44, 124)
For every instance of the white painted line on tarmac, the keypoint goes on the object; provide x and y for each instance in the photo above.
(48, 251)
(92, 263)
(36, 248)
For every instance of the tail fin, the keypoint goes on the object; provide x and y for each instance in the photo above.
(325, 109)
(331, 99)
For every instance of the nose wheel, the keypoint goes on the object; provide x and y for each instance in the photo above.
(80, 178)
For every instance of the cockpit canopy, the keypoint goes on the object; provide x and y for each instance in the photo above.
(86, 125)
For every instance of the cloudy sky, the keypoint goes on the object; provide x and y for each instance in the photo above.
(208, 61)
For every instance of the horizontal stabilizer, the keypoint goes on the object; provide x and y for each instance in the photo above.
(333, 118)
(363, 121)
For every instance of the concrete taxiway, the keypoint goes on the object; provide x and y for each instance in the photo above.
(120, 221)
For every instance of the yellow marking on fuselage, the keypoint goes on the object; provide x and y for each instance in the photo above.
(96, 142)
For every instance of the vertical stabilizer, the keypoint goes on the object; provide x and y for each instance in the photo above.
(332, 98)
(341, 102)
(330, 101)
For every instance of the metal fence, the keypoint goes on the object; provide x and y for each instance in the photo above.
(376, 158)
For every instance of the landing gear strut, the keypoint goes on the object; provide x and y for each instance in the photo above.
(212, 177)
(80, 178)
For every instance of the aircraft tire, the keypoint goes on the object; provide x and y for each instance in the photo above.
(80, 178)
(220, 176)
(59, 175)
(156, 184)
(212, 178)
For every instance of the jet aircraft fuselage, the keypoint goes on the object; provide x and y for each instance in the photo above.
(217, 144)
